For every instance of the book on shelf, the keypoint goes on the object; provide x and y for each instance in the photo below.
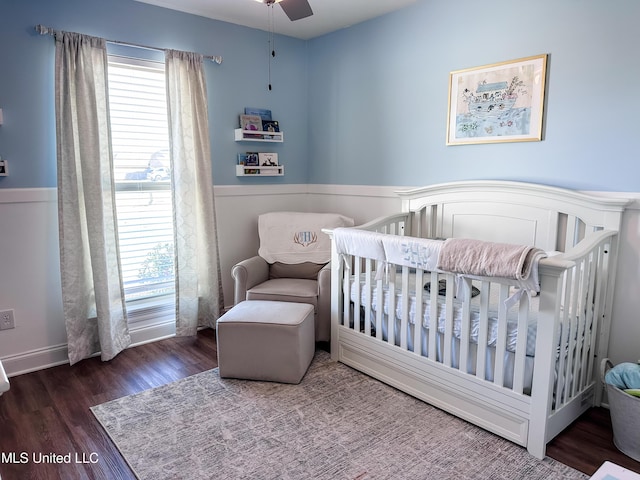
(263, 113)
(268, 159)
(270, 126)
(251, 123)
(251, 159)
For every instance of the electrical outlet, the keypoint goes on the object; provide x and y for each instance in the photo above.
(6, 320)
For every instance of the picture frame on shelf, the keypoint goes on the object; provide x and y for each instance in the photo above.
(501, 102)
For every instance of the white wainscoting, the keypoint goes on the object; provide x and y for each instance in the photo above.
(30, 280)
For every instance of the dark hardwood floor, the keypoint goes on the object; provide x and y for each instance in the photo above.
(46, 413)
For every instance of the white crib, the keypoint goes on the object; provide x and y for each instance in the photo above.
(523, 367)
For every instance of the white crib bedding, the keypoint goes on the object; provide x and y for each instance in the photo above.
(512, 321)
(492, 334)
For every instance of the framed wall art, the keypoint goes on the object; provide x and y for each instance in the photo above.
(502, 102)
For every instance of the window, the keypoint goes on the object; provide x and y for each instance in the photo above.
(140, 137)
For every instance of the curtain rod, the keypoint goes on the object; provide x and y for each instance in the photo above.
(42, 30)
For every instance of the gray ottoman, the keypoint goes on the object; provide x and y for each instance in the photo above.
(266, 340)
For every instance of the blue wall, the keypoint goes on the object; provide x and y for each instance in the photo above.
(368, 104)
(379, 94)
(27, 138)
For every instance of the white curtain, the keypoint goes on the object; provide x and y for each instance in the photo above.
(93, 299)
(199, 299)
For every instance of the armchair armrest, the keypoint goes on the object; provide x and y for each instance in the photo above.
(247, 274)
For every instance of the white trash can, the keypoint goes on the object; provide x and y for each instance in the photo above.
(625, 416)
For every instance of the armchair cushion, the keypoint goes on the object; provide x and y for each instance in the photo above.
(293, 290)
(306, 270)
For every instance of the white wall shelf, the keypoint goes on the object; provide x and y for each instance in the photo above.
(258, 136)
(256, 171)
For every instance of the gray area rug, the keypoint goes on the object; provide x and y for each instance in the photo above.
(336, 424)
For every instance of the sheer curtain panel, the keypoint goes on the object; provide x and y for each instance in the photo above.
(93, 301)
(199, 299)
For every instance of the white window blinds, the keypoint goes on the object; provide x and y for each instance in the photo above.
(139, 128)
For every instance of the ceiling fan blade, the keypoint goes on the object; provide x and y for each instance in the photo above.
(296, 9)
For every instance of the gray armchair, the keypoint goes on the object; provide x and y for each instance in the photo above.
(292, 264)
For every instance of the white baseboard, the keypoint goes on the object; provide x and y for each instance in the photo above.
(33, 360)
(152, 333)
(40, 359)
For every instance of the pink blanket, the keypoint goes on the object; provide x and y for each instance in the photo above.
(488, 259)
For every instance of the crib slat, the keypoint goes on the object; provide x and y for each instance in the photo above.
(465, 324)
(417, 224)
(449, 318)
(601, 265)
(337, 282)
(379, 300)
(391, 311)
(483, 330)
(501, 339)
(357, 272)
(563, 361)
(434, 319)
(367, 295)
(521, 344)
(419, 313)
(580, 318)
(404, 314)
(591, 261)
(346, 292)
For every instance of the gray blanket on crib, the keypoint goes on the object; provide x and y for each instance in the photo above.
(488, 259)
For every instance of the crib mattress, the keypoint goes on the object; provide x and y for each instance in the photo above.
(492, 334)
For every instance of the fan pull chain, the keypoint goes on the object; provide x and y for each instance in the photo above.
(272, 40)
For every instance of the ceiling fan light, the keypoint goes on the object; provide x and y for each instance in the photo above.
(268, 2)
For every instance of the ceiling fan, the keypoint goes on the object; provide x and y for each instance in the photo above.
(295, 9)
